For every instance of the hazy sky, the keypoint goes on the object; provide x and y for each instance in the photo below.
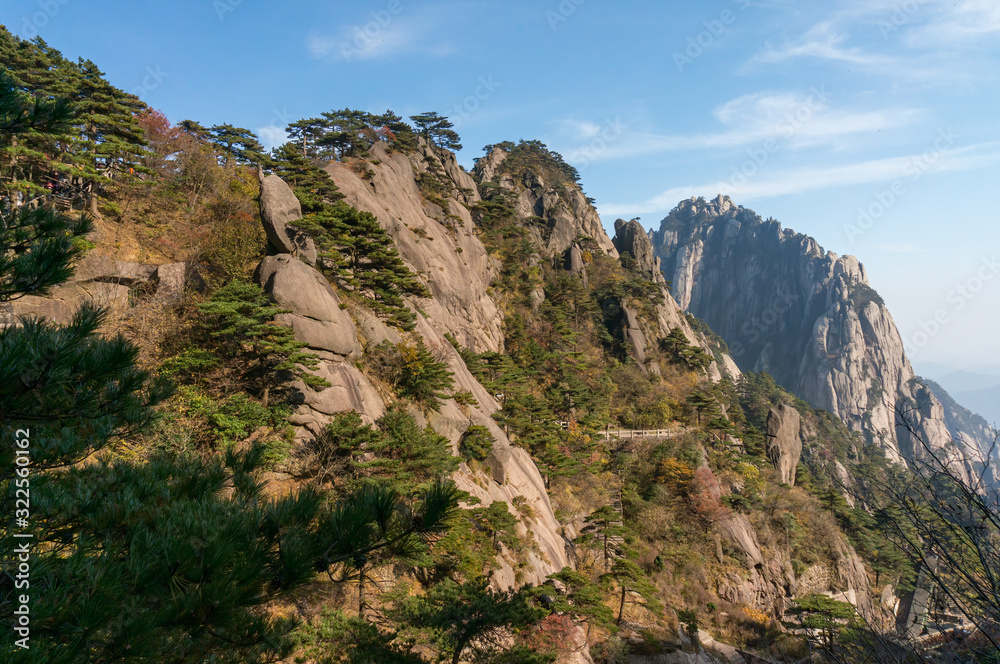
(870, 125)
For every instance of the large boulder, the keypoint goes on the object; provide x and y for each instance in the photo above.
(784, 443)
(349, 389)
(278, 208)
(736, 528)
(314, 309)
(170, 281)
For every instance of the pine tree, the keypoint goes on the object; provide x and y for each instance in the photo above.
(630, 578)
(106, 139)
(312, 186)
(167, 560)
(375, 525)
(471, 617)
(603, 530)
(50, 373)
(396, 452)
(306, 133)
(582, 598)
(239, 317)
(195, 129)
(356, 251)
(438, 130)
(236, 143)
(399, 134)
(348, 134)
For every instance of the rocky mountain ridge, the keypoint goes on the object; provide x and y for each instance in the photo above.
(806, 316)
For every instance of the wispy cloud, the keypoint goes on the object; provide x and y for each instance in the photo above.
(798, 120)
(956, 24)
(811, 179)
(825, 42)
(390, 36)
(355, 43)
(580, 130)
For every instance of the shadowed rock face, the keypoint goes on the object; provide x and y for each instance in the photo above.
(784, 444)
(806, 316)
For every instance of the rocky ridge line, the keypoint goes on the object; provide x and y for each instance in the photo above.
(807, 317)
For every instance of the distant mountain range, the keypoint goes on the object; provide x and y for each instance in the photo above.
(977, 391)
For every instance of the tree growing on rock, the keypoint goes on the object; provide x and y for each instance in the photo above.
(239, 319)
(438, 130)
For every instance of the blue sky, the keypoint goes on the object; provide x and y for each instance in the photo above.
(870, 125)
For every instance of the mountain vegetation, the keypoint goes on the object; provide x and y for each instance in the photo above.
(188, 505)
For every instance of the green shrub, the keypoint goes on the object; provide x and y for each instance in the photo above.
(412, 371)
(192, 361)
(476, 443)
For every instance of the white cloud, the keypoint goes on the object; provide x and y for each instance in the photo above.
(272, 136)
(580, 130)
(957, 24)
(360, 42)
(795, 120)
(411, 30)
(823, 42)
(907, 168)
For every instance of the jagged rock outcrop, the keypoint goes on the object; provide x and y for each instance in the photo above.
(556, 216)
(784, 442)
(564, 212)
(806, 316)
(631, 238)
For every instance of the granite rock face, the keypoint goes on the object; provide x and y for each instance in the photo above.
(806, 316)
(316, 316)
(440, 247)
(784, 443)
(631, 238)
(103, 281)
(556, 217)
(561, 214)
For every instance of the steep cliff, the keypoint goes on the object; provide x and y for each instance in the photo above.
(434, 235)
(806, 316)
(460, 307)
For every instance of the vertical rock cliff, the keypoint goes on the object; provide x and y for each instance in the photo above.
(806, 316)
